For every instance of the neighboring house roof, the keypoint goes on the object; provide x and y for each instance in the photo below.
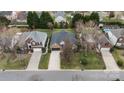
(57, 37)
(35, 35)
(112, 38)
(118, 32)
(3, 13)
(60, 19)
(60, 13)
(22, 16)
(102, 39)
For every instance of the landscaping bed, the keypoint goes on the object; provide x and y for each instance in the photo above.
(44, 61)
(11, 62)
(92, 61)
(118, 55)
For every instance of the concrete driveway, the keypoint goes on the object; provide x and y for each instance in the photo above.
(54, 63)
(109, 60)
(34, 60)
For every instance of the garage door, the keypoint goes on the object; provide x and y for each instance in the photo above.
(55, 49)
(37, 49)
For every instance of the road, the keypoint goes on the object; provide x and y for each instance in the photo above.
(66, 75)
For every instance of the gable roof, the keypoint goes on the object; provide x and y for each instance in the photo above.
(35, 35)
(57, 37)
(118, 32)
(102, 39)
(60, 19)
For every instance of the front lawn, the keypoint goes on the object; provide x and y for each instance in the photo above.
(118, 55)
(44, 61)
(94, 61)
(9, 62)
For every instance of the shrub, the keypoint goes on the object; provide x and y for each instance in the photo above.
(112, 49)
(120, 63)
(43, 50)
(83, 61)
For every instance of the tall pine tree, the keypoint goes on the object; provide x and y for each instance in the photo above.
(45, 18)
(30, 19)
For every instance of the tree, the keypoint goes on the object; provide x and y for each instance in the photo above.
(30, 19)
(86, 18)
(78, 28)
(76, 17)
(67, 51)
(45, 17)
(36, 21)
(94, 17)
(111, 14)
(4, 21)
(50, 25)
(33, 20)
(66, 25)
(56, 25)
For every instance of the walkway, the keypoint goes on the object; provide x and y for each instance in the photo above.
(109, 60)
(34, 60)
(54, 63)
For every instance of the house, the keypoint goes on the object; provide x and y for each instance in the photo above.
(32, 40)
(95, 41)
(60, 19)
(22, 16)
(115, 36)
(58, 39)
(89, 40)
(60, 16)
(103, 42)
(119, 34)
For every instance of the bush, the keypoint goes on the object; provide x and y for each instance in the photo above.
(83, 61)
(43, 50)
(120, 63)
(112, 49)
(49, 50)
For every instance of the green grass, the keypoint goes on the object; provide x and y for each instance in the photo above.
(13, 63)
(94, 62)
(44, 61)
(117, 54)
(107, 19)
(49, 32)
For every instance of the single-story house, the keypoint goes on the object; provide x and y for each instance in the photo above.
(60, 16)
(89, 40)
(31, 40)
(119, 34)
(59, 19)
(95, 42)
(116, 36)
(103, 42)
(58, 38)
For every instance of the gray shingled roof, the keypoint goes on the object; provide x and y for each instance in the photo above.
(117, 32)
(35, 35)
(57, 37)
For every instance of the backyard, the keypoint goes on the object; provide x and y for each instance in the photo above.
(9, 62)
(49, 32)
(118, 55)
(93, 61)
